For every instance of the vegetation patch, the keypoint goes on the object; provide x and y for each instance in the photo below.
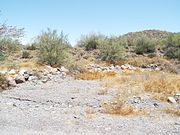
(117, 107)
(52, 47)
(172, 46)
(144, 45)
(94, 75)
(172, 111)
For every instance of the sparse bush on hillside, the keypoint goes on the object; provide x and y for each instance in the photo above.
(91, 42)
(2, 56)
(173, 46)
(9, 45)
(9, 36)
(31, 47)
(144, 45)
(25, 54)
(52, 47)
(112, 50)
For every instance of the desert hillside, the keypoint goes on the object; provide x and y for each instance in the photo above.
(103, 85)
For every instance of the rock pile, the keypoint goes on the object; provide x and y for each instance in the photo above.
(174, 99)
(151, 67)
(15, 77)
(111, 68)
(117, 68)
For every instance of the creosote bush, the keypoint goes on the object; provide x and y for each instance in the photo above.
(52, 47)
(112, 50)
(25, 54)
(9, 45)
(172, 48)
(91, 41)
(144, 45)
(32, 47)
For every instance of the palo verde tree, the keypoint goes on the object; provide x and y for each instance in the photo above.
(9, 38)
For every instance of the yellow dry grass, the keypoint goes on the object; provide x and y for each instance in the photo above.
(163, 83)
(157, 84)
(172, 111)
(117, 107)
(94, 75)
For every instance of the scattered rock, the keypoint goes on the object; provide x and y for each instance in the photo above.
(45, 79)
(11, 82)
(19, 79)
(156, 105)
(12, 72)
(50, 70)
(22, 72)
(177, 97)
(32, 78)
(171, 100)
(26, 77)
(63, 69)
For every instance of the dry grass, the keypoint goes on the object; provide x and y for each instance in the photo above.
(90, 110)
(117, 107)
(172, 111)
(163, 85)
(94, 75)
(157, 84)
(102, 91)
(90, 113)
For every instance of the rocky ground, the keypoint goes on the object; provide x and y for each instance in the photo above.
(68, 106)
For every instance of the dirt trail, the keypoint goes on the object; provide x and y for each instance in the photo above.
(67, 106)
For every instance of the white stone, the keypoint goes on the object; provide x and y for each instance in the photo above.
(123, 67)
(22, 72)
(171, 100)
(63, 69)
(12, 72)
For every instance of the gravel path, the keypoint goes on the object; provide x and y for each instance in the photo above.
(67, 106)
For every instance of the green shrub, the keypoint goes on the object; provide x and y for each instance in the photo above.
(8, 45)
(144, 45)
(52, 47)
(25, 54)
(31, 47)
(91, 41)
(151, 55)
(2, 56)
(173, 53)
(172, 46)
(112, 50)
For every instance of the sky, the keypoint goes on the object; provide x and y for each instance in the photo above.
(78, 17)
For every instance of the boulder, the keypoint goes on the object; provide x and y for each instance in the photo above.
(12, 72)
(11, 82)
(32, 78)
(45, 79)
(26, 77)
(63, 69)
(22, 72)
(171, 100)
(19, 79)
(123, 67)
(177, 97)
(49, 69)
